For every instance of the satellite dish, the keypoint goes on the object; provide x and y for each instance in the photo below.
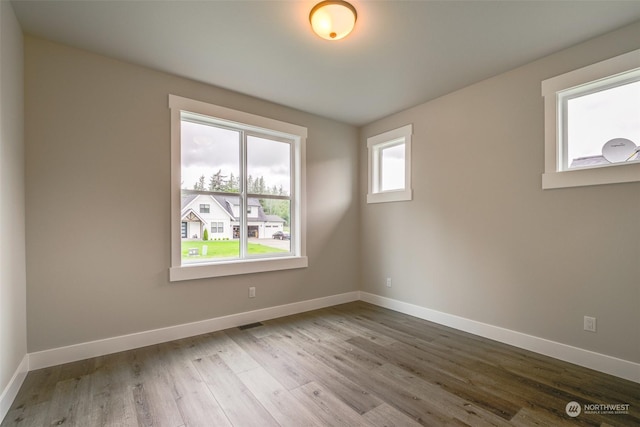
(618, 150)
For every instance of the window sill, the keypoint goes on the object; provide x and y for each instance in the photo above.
(233, 268)
(390, 196)
(594, 176)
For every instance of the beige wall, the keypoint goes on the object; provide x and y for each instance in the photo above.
(98, 158)
(482, 240)
(13, 321)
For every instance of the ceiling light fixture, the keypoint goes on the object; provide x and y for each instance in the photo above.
(333, 19)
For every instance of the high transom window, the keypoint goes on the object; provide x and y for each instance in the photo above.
(601, 123)
(592, 124)
(389, 155)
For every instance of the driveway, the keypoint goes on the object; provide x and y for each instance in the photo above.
(274, 243)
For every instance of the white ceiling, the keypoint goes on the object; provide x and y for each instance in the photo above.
(401, 54)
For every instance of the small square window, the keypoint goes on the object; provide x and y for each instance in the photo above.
(390, 166)
(204, 208)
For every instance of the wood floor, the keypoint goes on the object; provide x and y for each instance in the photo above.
(350, 365)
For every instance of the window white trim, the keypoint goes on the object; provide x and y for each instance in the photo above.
(556, 174)
(248, 122)
(236, 267)
(375, 144)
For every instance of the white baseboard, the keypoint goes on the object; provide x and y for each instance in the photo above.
(11, 390)
(72, 353)
(589, 359)
(56, 356)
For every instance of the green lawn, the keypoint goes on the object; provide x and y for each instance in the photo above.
(222, 249)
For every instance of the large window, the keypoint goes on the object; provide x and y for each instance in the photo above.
(592, 124)
(390, 166)
(240, 169)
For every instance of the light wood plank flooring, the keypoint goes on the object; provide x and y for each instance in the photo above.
(350, 365)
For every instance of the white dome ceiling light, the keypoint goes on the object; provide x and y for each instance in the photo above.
(333, 19)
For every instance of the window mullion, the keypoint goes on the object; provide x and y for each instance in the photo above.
(242, 214)
(293, 209)
(378, 169)
(563, 135)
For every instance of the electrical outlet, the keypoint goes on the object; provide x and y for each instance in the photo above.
(388, 282)
(252, 292)
(589, 324)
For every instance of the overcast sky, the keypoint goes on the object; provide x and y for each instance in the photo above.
(207, 149)
(392, 168)
(597, 118)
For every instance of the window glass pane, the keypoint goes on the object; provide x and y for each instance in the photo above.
(268, 167)
(392, 166)
(210, 162)
(210, 157)
(596, 118)
(269, 230)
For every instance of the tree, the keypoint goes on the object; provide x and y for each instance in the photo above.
(200, 184)
(205, 235)
(232, 185)
(281, 208)
(218, 181)
(259, 187)
(276, 207)
(250, 184)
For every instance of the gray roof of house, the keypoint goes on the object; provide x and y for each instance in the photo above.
(187, 198)
(581, 162)
(227, 202)
(274, 218)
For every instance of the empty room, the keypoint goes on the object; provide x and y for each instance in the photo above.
(319, 213)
